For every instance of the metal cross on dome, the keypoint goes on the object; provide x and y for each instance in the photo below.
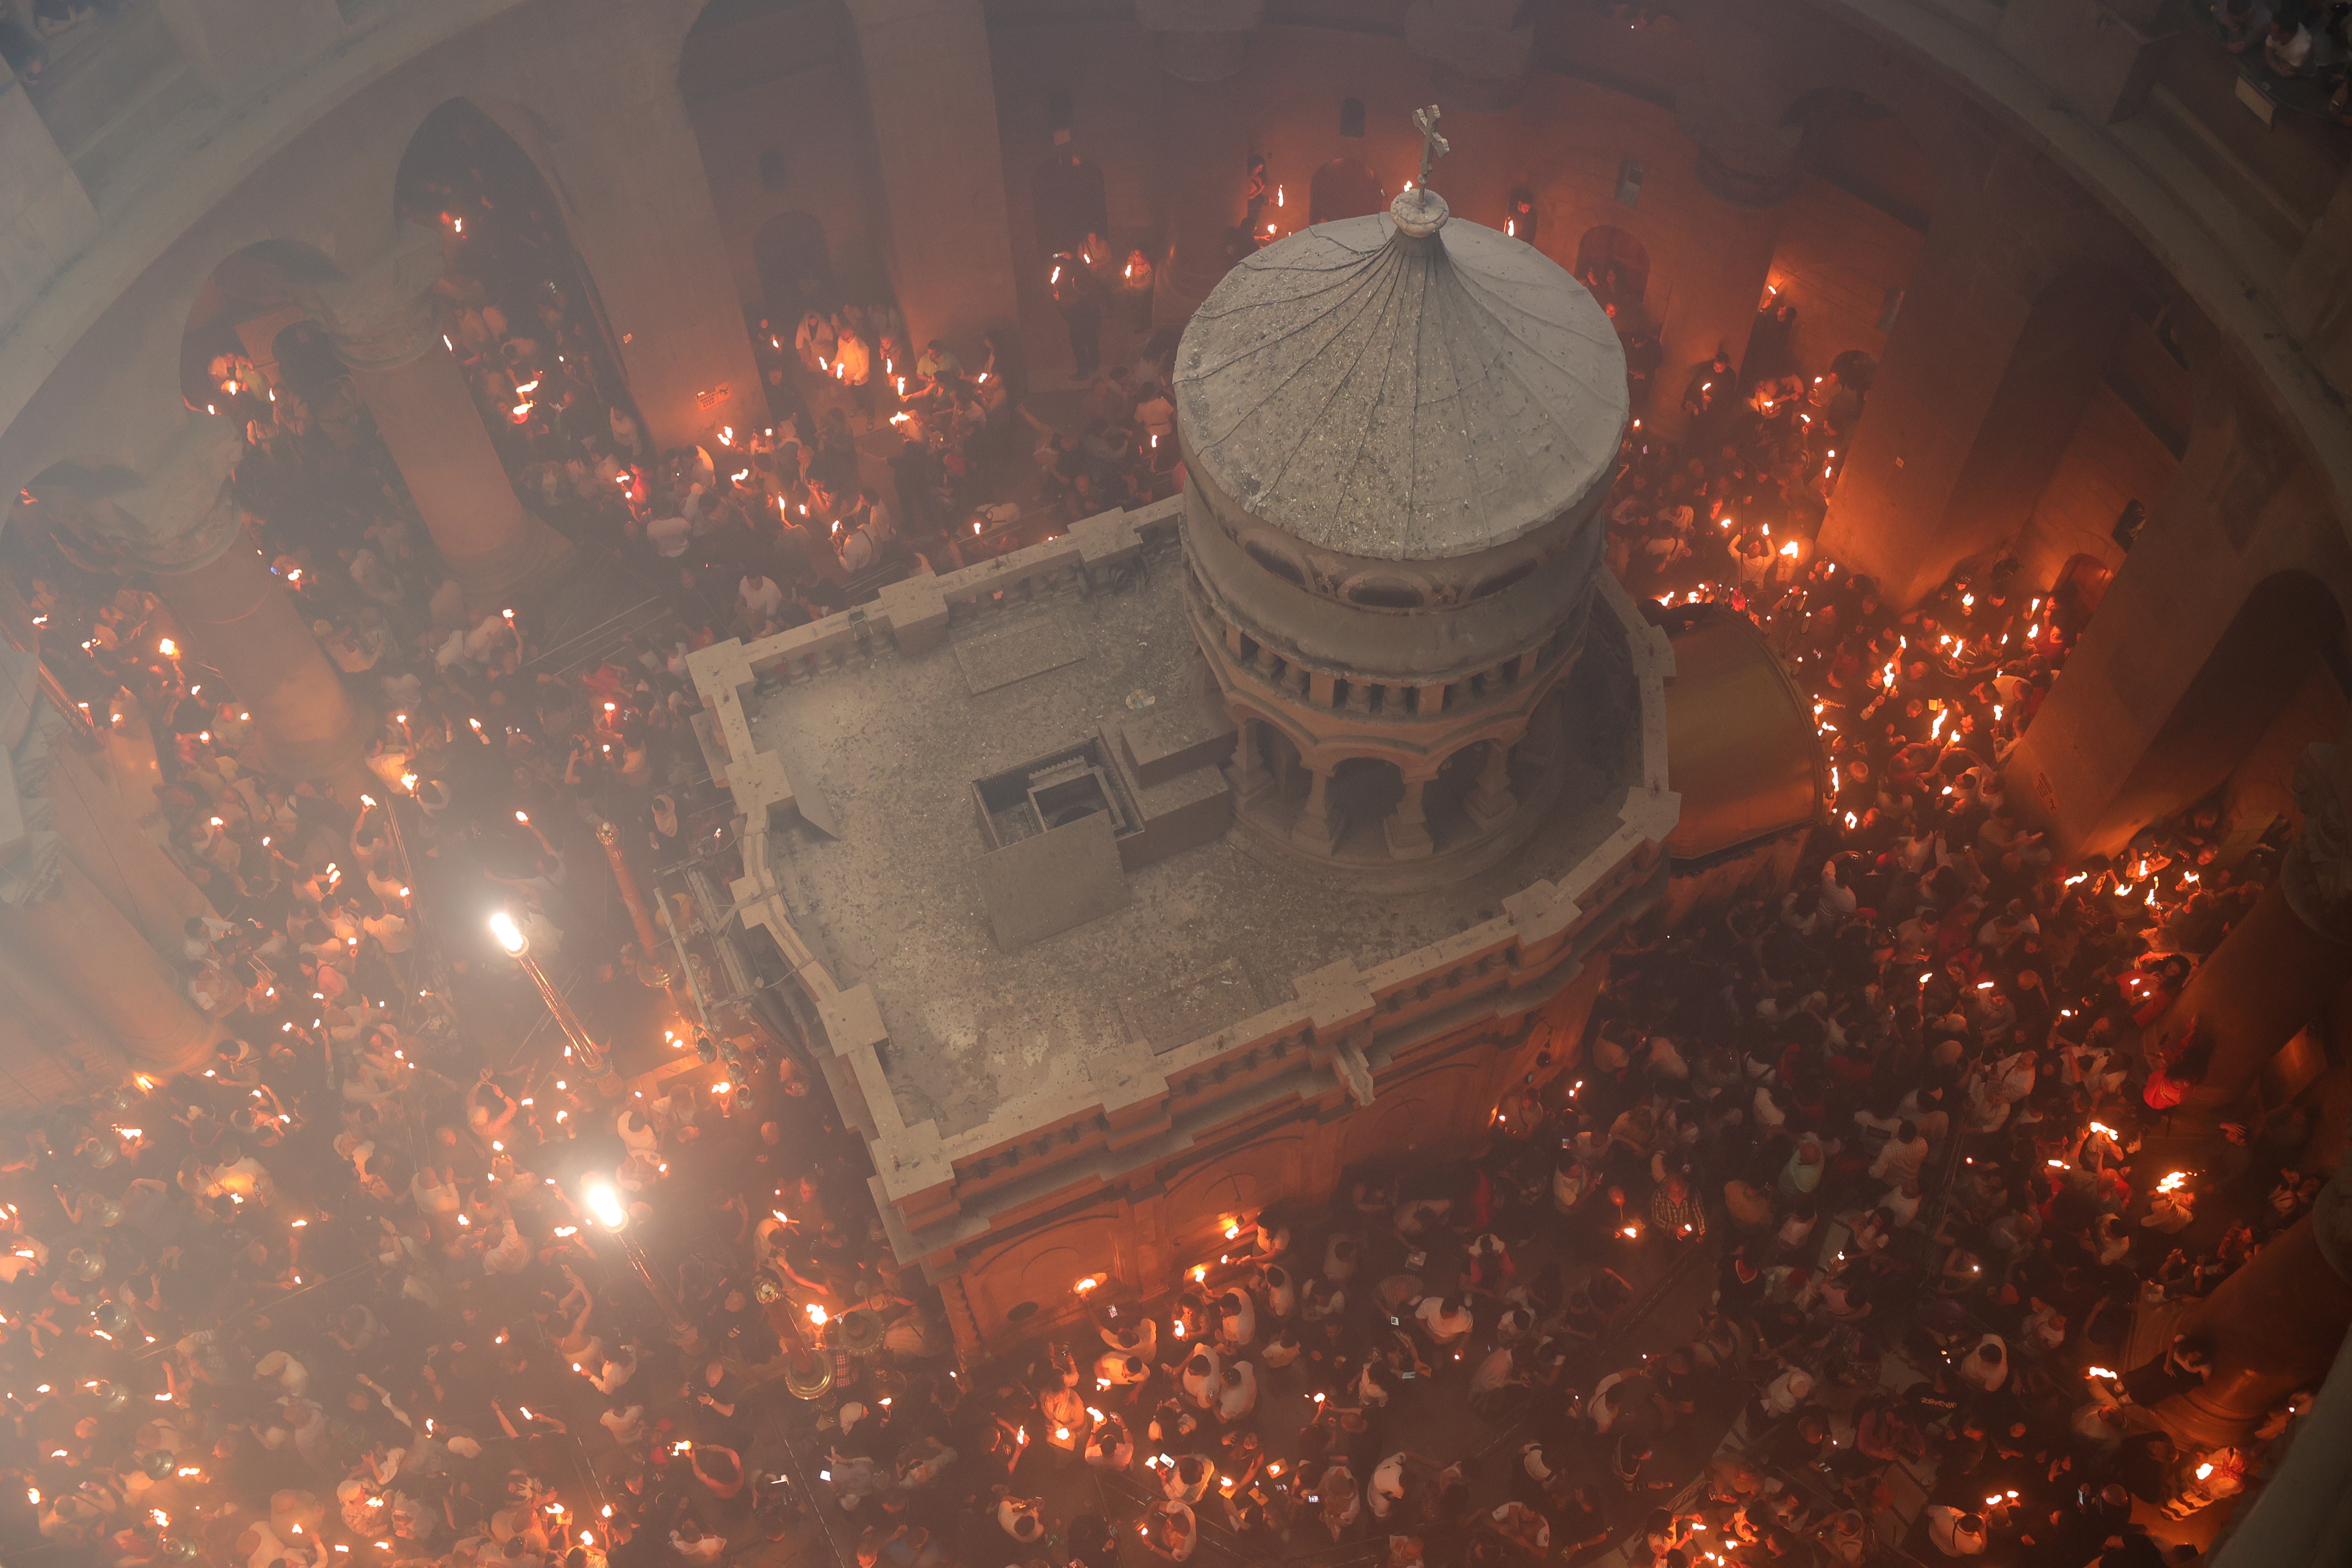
(1433, 145)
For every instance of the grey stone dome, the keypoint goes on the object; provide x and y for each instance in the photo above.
(1401, 387)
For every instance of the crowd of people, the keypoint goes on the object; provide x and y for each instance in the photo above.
(2297, 42)
(350, 1293)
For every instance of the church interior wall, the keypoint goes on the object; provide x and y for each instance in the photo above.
(2111, 460)
(1842, 261)
(2244, 508)
(816, 121)
(1115, 99)
(2260, 791)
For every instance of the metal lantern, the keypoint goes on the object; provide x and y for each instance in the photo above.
(809, 1378)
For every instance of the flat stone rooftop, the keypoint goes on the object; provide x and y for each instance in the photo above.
(1205, 938)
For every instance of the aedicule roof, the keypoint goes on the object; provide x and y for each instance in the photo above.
(1402, 395)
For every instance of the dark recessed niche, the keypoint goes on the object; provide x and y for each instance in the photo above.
(1280, 566)
(1051, 791)
(1385, 596)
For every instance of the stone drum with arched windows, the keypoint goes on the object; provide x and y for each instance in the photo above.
(1398, 431)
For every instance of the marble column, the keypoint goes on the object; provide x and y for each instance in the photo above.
(2275, 1325)
(185, 531)
(383, 325)
(81, 943)
(1315, 831)
(1251, 778)
(1407, 827)
(1491, 799)
(2279, 966)
(86, 813)
(1202, 45)
(1478, 50)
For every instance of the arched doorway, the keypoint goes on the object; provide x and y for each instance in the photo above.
(1615, 266)
(775, 92)
(1445, 799)
(795, 265)
(1344, 187)
(521, 305)
(2075, 597)
(1067, 193)
(2283, 632)
(251, 351)
(1363, 791)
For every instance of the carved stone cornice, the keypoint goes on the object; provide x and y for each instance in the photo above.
(184, 514)
(382, 317)
(34, 873)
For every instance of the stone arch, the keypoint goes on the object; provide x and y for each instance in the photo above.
(2075, 594)
(1229, 1191)
(1364, 790)
(1449, 783)
(2288, 627)
(242, 312)
(480, 171)
(774, 91)
(1345, 187)
(1040, 1269)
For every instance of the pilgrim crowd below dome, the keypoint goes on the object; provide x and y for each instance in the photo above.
(1848, 1187)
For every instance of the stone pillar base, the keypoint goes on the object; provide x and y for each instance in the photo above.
(1313, 832)
(1407, 840)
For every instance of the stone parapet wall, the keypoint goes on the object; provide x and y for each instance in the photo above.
(1327, 1057)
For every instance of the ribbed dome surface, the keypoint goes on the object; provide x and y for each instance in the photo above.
(1402, 396)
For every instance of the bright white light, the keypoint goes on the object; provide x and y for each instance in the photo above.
(510, 935)
(605, 1204)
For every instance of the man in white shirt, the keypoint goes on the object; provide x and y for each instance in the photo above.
(1954, 1533)
(2288, 48)
(761, 600)
(1901, 1159)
